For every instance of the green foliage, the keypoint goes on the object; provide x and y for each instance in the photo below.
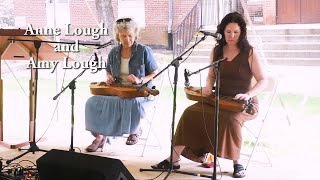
(294, 103)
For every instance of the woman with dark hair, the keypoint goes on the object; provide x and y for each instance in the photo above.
(129, 63)
(194, 134)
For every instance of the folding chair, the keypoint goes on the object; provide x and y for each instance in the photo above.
(151, 112)
(253, 129)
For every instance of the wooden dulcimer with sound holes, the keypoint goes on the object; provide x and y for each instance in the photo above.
(225, 102)
(123, 91)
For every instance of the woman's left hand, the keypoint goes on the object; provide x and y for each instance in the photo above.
(242, 97)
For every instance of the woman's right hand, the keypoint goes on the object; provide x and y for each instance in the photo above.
(207, 91)
(110, 79)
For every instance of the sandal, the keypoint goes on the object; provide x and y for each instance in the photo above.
(239, 171)
(95, 145)
(134, 138)
(165, 164)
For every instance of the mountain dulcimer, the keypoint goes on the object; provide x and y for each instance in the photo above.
(123, 91)
(225, 102)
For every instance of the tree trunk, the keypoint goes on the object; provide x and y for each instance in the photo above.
(6, 13)
(105, 15)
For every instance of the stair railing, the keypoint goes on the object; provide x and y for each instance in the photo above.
(200, 15)
(187, 29)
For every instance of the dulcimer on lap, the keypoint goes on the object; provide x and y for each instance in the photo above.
(225, 102)
(120, 90)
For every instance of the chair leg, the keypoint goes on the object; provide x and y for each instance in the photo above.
(146, 141)
(147, 138)
(251, 154)
(256, 144)
(105, 140)
(150, 120)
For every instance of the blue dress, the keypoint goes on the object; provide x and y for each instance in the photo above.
(115, 116)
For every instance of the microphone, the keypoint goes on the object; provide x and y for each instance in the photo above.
(220, 60)
(96, 57)
(218, 36)
(111, 42)
(96, 60)
(186, 79)
(8, 161)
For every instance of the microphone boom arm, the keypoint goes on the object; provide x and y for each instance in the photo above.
(111, 42)
(213, 64)
(174, 62)
(57, 42)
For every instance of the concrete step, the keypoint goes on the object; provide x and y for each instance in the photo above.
(279, 44)
(300, 31)
(294, 61)
(291, 53)
(271, 53)
(280, 29)
(270, 61)
(288, 33)
(267, 45)
(196, 59)
(285, 38)
(287, 45)
(202, 45)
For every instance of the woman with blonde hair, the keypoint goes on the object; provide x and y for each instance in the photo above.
(129, 63)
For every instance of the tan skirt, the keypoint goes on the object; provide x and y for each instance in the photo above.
(195, 130)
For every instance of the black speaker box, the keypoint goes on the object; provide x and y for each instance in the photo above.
(67, 165)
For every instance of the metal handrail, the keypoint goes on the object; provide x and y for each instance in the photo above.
(186, 30)
(195, 20)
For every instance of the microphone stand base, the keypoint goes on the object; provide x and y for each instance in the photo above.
(176, 171)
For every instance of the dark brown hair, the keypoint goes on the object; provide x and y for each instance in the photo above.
(243, 43)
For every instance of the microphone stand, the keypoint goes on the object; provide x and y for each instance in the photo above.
(72, 86)
(174, 63)
(33, 145)
(216, 66)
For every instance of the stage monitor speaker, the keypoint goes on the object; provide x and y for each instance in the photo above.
(67, 165)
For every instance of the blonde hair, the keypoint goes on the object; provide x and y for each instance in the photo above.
(125, 24)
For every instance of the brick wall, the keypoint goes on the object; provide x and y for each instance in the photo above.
(261, 12)
(256, 13)
(115, 8)
(269, 12)
(155, 32)
(180, 9)
(156, 15)
(254, 7)
(33, 11)
(82, 15)
(19, 10)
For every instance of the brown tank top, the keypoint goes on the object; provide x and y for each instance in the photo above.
(236, 75)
